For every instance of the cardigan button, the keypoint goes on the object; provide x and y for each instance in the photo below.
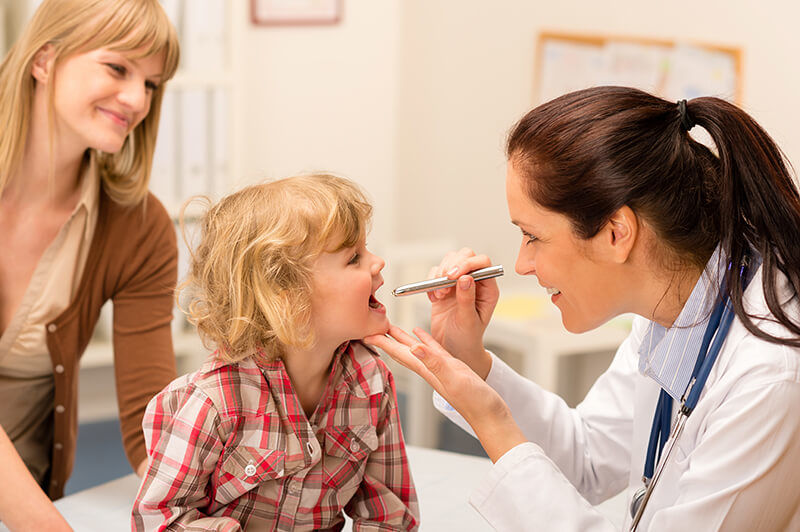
(60, 409)
(59, 368)
(58, 446)
(52, 327)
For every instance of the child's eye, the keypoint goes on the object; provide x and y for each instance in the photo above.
(354, 259)
(118, 69)
(149, 85)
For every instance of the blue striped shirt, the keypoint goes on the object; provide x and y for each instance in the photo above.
(668, 355)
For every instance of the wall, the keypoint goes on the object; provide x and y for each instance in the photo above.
(321, 98)
(466, 75)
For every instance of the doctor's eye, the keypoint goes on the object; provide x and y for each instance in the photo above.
(530, 239)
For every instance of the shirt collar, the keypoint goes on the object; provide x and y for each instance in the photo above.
(668, 355)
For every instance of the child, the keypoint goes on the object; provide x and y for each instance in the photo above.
(293, 419)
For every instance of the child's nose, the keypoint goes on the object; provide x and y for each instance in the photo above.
(377, 265)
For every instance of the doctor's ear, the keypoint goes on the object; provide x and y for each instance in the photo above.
(42, 65)
(619, 234)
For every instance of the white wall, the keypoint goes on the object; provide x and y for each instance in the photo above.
(467, 75)
(321, 98)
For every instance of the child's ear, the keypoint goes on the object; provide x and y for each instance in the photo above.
(42, 65)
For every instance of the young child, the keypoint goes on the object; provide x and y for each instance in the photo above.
(293, 419)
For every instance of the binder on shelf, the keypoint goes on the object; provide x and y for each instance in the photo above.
(220, 141)
(194, 149)
(165, 159)
(204, 36)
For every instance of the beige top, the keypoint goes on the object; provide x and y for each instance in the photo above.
(26, 371)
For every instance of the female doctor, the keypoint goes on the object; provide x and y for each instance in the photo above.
(621, 211)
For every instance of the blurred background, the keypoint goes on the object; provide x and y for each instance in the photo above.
(413, 100)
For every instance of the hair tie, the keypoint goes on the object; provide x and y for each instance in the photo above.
(686, 120)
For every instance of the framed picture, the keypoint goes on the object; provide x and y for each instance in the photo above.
(295, 12)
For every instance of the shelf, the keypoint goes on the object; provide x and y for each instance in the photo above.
(101, 353)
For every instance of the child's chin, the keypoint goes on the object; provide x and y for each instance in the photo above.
(379, 329)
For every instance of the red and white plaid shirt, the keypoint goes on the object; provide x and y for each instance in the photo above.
(230, 446)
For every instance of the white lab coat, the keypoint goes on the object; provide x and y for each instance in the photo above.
(734, 468)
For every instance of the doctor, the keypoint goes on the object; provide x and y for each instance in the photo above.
(621, 211)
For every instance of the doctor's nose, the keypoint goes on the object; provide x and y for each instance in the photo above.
(525, 263)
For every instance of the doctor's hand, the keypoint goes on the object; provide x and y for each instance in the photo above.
(479, 404)
(460, 314)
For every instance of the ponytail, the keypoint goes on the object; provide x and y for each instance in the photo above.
(759, 206)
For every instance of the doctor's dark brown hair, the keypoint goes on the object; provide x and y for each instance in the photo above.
(588, 153)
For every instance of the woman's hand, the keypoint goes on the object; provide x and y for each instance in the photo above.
(460, 315)
(479, 404)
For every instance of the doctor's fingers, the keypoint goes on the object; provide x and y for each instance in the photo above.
(400, 352)
(458, 263)
(457, 382)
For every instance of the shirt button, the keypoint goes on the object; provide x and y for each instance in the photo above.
(310, 447)
(250, 469)
(60, 409)
(354, 446)
(59, 368)
(58, 446)
(294, 489)
(52, 327)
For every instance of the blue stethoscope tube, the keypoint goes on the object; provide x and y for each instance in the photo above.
(661, 438)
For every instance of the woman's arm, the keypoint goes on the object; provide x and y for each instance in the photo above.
(23, 504)
(144, 359)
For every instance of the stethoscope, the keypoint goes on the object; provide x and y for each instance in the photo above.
(660, 437)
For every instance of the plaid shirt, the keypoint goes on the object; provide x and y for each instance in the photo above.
(231, 447)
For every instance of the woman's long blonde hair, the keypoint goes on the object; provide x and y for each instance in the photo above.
(249, 284)
(75, 26)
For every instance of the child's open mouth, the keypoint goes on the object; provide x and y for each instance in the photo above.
(376, 305)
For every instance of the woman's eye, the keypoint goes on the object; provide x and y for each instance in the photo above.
(118, 69)
(530, 238)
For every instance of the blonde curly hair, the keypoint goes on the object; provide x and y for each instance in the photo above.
(249, 284)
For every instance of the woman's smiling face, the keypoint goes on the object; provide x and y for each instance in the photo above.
(562, 262)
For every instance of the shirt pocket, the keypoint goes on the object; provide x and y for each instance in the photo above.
(245, 468)
(346, 452)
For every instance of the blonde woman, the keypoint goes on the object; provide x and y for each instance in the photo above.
(292, 421)
(80, 93)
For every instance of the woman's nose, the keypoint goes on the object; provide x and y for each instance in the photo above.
(134, 96)
(525, 262)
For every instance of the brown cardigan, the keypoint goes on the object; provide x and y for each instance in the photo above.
(132, 261)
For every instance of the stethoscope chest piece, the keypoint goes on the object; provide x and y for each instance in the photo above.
(637, 499)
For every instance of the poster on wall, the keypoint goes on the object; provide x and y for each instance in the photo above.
(295, 12)
(671, 70)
